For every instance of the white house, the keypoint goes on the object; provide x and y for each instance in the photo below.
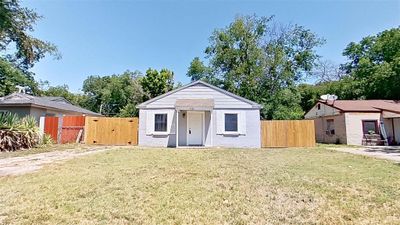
(199, 114)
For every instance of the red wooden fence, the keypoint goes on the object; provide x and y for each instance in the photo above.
(71, 127)
(51, 127)
(69, 130)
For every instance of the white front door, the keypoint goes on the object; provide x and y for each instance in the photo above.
(195, 128)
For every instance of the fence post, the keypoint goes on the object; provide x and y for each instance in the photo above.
(41, 127)
(59, 130)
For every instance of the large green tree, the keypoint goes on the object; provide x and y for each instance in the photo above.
(16, 26)
(19, 50)
(155, 83)
(199, 71)
(374, 64)
(261, 60)
(115, 95)
(11, 76)
(63, 91)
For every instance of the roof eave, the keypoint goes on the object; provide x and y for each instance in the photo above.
(253, 104)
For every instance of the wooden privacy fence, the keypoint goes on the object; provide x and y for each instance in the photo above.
(72, 129)
(51, 127)
(111, 131)
(287, 133)
(65, 129)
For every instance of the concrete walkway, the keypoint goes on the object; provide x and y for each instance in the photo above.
(382, 152)
(31, 163)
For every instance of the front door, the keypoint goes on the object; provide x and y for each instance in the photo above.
(195, 128)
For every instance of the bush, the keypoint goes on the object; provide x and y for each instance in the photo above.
(17, 133)
(47, 140)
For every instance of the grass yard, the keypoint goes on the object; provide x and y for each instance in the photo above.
(46, 148)
(155, 186)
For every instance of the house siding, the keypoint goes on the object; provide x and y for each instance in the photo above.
(325, 110)
(223, 102)
(340, 130)
(199, 91)
(251, 139)
(165, 140)
(20, 111)
(354, 130)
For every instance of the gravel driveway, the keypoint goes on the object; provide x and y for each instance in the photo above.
(382, 152)
(31, 163)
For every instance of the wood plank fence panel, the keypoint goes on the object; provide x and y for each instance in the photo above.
(287, 133)
(51, 127)
(111, 131)
(71, 127)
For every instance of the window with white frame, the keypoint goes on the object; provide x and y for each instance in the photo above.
(160, 122)
(231, 122)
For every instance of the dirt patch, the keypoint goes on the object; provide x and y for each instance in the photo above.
(31, 163)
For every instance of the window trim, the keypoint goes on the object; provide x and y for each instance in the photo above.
(166, 123)
(376, 126)
(237, 123)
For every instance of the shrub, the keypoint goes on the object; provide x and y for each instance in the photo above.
(47, 140)
(17, 133)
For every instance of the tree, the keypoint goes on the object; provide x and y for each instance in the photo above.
(198, 71)
(114, 95)
(326, 71)
(374, 64)
(18, 49)
(10, 77)
(156, 83)
(16, 26)
(261, 60)
(63, 91)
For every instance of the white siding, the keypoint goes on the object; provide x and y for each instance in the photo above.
(248, 120)
(157, 140)
(200, 91)
(251, 139)
(325, 110)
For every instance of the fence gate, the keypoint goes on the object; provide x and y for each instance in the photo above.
(72, 129)
(287, 133)
(111, 131)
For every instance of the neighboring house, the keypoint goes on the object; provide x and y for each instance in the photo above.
(24, 104)
(199, 114)
(348, 121)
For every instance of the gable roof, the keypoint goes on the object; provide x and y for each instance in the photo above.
(364, 105)
(59, 103)
(253, 104)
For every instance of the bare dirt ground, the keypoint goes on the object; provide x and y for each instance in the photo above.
(382, 152)
(31, 163)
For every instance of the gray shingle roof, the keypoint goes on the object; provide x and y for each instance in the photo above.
(47, 102)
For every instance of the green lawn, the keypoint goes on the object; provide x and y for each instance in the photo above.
(155, 186)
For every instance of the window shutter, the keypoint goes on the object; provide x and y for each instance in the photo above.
(170, 125)
(220, 122)
(149, 122)
(242, 122)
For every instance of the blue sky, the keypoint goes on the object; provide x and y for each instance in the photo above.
(108, 37)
